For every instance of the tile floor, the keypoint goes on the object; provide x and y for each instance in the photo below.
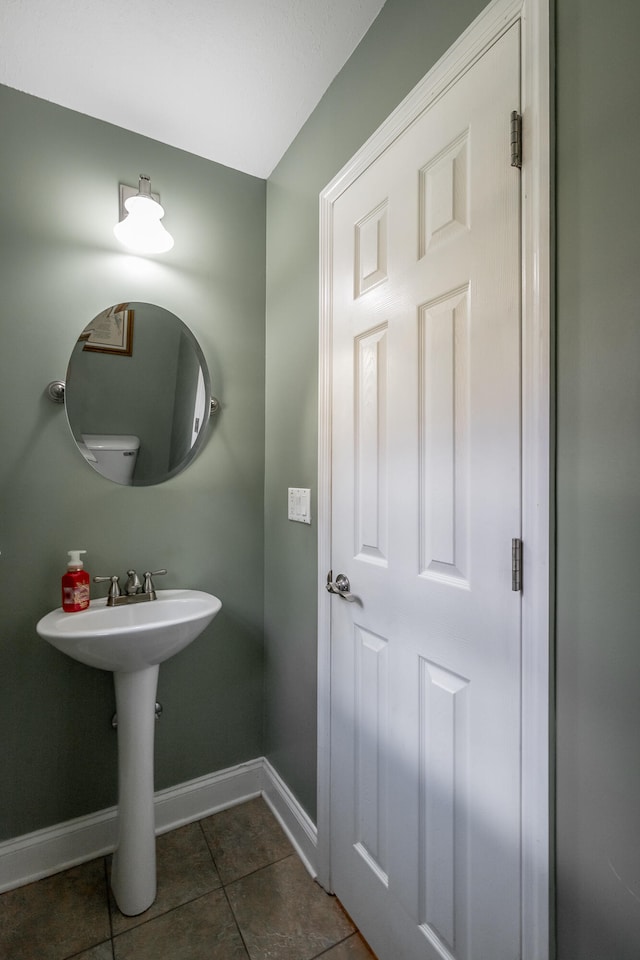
(230, 887)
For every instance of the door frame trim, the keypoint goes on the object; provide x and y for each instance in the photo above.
(495, 19)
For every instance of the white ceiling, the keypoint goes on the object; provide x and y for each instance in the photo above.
(229, 80)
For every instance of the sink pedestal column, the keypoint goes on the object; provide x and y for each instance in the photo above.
(133, 873)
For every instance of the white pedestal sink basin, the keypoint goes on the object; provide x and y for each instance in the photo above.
(131, 641)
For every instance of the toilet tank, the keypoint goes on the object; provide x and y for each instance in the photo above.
(115, 455)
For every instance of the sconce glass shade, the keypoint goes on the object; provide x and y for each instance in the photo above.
(141, 230)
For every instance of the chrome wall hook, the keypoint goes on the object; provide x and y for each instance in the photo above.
(55, 391)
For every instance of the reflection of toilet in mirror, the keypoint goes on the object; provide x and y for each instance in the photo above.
(114, 455)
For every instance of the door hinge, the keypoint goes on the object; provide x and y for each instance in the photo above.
(516, 139)
(516, 564)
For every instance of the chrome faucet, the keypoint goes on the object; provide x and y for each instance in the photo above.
(134, 590)
(133, 584)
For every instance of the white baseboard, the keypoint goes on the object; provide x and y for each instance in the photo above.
(298, 826)
(45, 852)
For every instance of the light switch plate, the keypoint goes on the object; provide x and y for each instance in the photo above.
(299, 504)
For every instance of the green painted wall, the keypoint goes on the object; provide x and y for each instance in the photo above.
(59, 266)
(598, 499)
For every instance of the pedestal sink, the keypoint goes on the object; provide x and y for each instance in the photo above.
(131, 641)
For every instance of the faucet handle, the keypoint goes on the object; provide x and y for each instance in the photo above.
(148, 582)
(114, 589)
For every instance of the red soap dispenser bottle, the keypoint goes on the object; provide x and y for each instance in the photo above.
(75, 584)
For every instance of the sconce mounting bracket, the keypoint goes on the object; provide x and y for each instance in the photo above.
(126, 192)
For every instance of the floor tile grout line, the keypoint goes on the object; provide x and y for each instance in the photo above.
(242, 876)
(110, 908)
(166, 912)
(265, 866)
(235, 920)
(86, 949)
(222, 887)
(109, 939)
(206, 840)
(105, 864)
(323, 953)
(178, 906)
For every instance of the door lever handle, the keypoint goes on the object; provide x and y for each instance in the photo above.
(341, 586)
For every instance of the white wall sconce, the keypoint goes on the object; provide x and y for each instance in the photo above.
(139, 229)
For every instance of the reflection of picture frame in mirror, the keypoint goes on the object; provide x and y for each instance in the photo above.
(110, 332)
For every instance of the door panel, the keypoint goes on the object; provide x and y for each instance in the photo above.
(425, 501)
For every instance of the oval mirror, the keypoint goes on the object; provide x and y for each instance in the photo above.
(137, 394)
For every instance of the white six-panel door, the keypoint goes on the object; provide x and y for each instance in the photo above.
(426, 491)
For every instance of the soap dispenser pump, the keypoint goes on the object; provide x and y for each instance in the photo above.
(75, 584)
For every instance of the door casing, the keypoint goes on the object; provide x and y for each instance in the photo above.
(536, 438)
